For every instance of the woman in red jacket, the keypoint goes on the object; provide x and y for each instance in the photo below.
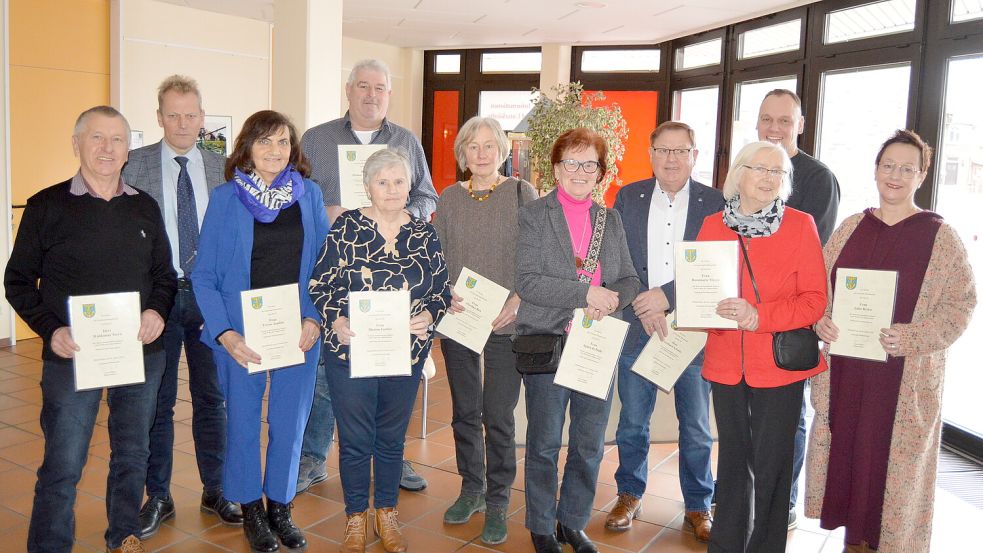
(756, 403)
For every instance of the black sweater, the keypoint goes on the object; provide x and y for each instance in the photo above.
(79, 245)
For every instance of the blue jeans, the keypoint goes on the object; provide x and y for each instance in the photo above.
(638, 397)
(67, 420)
(546, 406)
(208, 419)
(799, 453)
(372, 416)
(320, 425)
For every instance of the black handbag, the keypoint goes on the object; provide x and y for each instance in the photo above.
(537, 353)
(793, 350)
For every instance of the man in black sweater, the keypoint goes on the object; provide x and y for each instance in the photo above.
(91, 234)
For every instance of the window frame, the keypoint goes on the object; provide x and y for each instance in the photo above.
(738, 29)
(678, 44)
(817, 26)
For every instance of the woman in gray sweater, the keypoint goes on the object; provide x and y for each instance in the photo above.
(477, 222)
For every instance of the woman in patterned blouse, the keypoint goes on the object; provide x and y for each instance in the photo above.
(377, 248)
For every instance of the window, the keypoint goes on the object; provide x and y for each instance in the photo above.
(697, 107)
(877, 19)
(701, 54)
(511, 62)
(508, 107)
(447, 63)
(747, 99)
(596, 61)
(765, 41)
(966, 10)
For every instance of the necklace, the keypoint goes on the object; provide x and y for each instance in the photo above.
(475, 197)
(578, 258)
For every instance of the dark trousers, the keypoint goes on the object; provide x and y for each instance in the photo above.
(67, 420)
(488, 402)
(208, 419)
(757, 428)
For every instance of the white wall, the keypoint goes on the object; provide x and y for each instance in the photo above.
(229, 56)
(406, 65)
(6, 313)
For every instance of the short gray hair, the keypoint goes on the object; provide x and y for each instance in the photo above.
(732, 184)
(371, 65)
(384, 159)
(108, 111)
(467, 133)
(178, 83)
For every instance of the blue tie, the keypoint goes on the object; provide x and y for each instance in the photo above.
(187, 218)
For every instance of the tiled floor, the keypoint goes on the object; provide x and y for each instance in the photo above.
(321, 512)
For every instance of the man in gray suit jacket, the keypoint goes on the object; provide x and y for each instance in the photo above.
(180, 176)
(657, 213)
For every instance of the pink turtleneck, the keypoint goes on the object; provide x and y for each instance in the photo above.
(577, 214)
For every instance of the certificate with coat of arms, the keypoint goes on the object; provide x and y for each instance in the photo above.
(271, 326)
(662, 361)
(381, 324)
(706, 273)
(105, 328)
(590, 355)
(351, 160)
(863, 304)
(483, 301)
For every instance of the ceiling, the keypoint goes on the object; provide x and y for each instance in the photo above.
(463, 23)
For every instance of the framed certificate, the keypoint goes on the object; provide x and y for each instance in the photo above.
(706, 273)
(272, 326)
(863, 304)
(351, 161)
(590, 355)
(106, 327)
(662, 361)
(381, 323)
(483, 301)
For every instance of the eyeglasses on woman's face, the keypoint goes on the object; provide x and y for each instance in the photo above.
(762, 171)
(908, 172)
(572, 166)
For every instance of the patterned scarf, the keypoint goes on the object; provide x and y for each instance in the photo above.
(755, 225)
(264, 201)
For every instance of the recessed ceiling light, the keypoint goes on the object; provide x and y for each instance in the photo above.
(590, 4)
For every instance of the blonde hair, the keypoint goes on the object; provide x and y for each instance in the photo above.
(467, 134)
(180, 84)
(732, 183)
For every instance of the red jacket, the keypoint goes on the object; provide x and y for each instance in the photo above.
(791, 276)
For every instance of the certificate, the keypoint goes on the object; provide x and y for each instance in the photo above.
(271, 326)
(483, 301)
(105, 327)
(862, 305)
(590, 355)
(662, 361)
(381, 323)
(706, 272)
(351, 160)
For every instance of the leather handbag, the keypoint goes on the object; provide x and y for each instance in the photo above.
(793, 350)
(537, 353)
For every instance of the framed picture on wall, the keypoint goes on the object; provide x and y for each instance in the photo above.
(216, 134)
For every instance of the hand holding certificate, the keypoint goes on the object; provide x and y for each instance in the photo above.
(272, 326)
(862, 305)
(590, 355)
(380, 323)
(105, 328)
(483, 301)
(351, 160)
(662, 361)
(706, 273)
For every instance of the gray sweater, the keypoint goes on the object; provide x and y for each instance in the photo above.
(482, 236)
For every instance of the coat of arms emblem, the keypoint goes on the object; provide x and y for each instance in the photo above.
(851, 282)
(89, 310)
(471, 282)
(256, 302)
(690, 254)
(364, 305)
(350, 155)
(587, 322)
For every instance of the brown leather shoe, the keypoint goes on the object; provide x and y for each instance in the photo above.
(851, 548)
(387, 528)
(355, 533)
(626, 510)
(701, 522)
(131, 544)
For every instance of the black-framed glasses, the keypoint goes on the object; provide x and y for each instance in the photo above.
(908, 172)
(762, 171)
(678, 152)
(572, 165)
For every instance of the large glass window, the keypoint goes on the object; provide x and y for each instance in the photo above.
(966, 10)
(876, 19)
(701, 54)
(634, 60)
(959, 178)
(765, 41)
(511, 62)
(509, 107)
(859, 109)
(447, 63)
(747, 99)
(697, 107)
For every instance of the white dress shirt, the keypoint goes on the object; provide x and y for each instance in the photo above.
(169, 172)
(667, 223)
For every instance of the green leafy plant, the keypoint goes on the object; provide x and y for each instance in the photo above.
(566, 107)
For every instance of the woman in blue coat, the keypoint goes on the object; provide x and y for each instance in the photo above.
(265, 227)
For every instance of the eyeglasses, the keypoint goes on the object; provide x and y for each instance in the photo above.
(907, 171)
(762, 171)
(572, 165)
(678, 152)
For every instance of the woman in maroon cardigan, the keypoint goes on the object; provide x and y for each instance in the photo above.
(756, 403)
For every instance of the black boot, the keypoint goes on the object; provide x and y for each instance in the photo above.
(281, 523)
(257, 528)
(545, 543)
(577, 539)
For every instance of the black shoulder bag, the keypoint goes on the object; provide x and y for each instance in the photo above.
(540, 353)
(794, 350)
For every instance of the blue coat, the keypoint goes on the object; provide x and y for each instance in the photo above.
(222, 268)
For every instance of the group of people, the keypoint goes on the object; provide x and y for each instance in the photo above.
(160, 221)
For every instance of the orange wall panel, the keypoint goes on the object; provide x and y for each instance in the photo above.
(640, 109)
(445, 124)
